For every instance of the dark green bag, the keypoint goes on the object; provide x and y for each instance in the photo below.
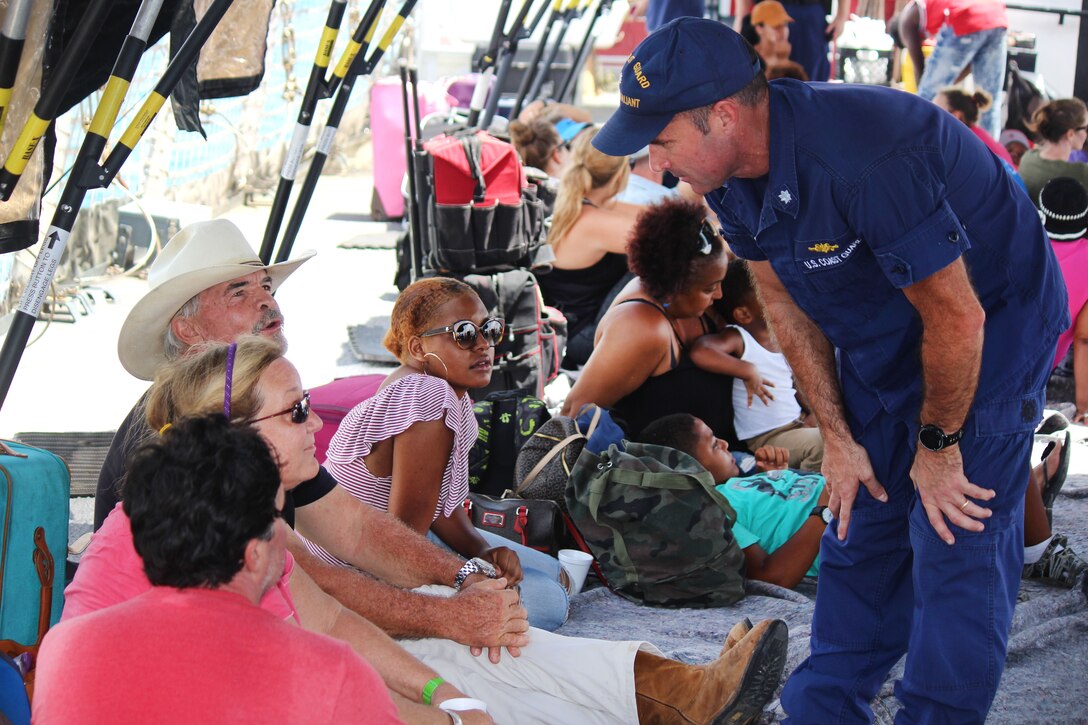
(659, 530)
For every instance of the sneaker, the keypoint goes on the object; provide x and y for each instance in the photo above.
(1060, 568)
(1052, 423)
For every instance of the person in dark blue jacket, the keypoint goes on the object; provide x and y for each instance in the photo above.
(912, 288)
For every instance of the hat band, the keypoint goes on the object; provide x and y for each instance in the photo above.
(1069, 237)
(1060, 217)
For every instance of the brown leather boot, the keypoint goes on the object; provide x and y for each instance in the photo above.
(739, 631)
(732, 689)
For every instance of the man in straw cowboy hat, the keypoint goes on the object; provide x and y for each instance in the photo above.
(914, 294)
(207, 285)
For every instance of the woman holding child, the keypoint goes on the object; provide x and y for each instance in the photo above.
(641, 364)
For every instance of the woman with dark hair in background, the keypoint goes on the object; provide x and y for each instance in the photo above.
(1061, 127)
(967, 107)
(641, 364)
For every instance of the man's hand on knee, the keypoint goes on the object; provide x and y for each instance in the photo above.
(946, 493)
(846, 468)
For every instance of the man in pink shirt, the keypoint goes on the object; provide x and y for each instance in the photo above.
(205, 505)
(968, 32)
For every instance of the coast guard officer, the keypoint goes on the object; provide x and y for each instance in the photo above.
(914, 293)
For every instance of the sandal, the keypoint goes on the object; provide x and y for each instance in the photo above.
(1053, 484)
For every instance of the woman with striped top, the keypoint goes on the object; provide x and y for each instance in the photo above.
(405, 450)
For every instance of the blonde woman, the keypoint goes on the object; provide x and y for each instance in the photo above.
(589, 235)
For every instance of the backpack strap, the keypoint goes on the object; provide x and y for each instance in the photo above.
(471, 145)
(557, 449)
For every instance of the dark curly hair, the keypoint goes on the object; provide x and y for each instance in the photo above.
(665, 247)
(196, 497)
(737, 289)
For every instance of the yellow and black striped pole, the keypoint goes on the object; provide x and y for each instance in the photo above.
(45, 110)
(357, 66)
(88, 174)
(12, 38)
(179, 64)
(317, 88)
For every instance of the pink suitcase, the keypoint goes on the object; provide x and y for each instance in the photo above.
(334, 400)
(387, 141)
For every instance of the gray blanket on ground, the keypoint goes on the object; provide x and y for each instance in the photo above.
(1046, 671)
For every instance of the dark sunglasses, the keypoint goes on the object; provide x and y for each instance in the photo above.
(300, 411)
(465, 332)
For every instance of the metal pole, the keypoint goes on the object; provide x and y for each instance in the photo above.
(485, 66)
(1080, 79)
(518, 31)
(45, 110)
(89, 175)
(360, 66)
(530, 71)
(583, 52)
(317, 88)
(542, 73)
(12, 36)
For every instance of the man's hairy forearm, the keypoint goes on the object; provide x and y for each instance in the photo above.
(952, 335)
(398, 612)
(810, 355)
(375, 541)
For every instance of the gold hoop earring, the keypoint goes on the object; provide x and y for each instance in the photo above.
(439, 360)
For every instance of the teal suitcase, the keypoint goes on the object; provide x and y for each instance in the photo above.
(34, 497)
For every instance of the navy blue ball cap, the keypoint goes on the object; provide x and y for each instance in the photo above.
(686, 64)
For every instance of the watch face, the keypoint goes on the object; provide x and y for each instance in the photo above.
(931, 437)
(485, 567)
(826, 515)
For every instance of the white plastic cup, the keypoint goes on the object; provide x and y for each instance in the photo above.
(577, 565)
(462, 704)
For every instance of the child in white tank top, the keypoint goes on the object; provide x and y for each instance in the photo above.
(766, 406)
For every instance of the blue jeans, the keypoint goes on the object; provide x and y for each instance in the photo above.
(985, 51)
(894, 587)
(541, 593)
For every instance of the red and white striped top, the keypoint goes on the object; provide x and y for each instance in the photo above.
(393, 410)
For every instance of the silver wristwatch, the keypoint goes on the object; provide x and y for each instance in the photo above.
(474, 566)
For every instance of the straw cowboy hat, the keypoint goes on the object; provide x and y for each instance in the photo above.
(200, 256)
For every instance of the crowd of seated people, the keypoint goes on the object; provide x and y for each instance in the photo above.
(541, 678)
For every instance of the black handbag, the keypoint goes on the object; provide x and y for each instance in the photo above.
(534, 523)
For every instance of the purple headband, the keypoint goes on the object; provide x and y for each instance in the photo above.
(230, 374)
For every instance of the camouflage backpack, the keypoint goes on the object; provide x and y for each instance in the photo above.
(659, 530)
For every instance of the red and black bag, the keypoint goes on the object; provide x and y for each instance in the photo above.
(484, 217)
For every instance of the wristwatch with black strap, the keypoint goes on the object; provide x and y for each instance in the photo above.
(823, 513)
(933, 438)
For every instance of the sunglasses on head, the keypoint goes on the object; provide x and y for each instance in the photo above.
(300, 411)
(706, 237)
(465, 332)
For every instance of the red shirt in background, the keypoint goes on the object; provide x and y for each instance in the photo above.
(965, 16)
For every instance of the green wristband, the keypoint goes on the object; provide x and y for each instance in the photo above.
(429, 688)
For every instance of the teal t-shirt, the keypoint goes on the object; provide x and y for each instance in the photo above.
(771, 507)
